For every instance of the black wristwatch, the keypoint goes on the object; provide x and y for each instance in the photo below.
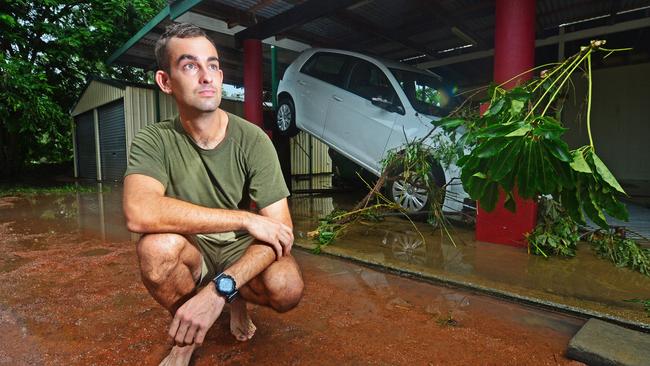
(226, 286)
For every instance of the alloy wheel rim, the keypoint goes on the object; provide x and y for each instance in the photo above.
(284, 117)
(411, 197)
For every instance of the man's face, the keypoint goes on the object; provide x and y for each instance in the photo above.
(195, 78)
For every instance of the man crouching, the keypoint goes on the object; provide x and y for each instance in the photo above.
(185, 186)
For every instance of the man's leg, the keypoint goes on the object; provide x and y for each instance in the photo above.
(279, 286)
(170, 266)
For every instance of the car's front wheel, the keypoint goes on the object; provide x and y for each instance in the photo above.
(285, 121)
(412, 193)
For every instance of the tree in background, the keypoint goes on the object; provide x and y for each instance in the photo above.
(49, 48)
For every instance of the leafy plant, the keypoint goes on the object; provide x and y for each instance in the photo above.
(555, 234)
(624, 252)
(518, 147)
(49, 49)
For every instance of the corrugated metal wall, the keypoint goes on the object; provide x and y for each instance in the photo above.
(321, 162)
(97, 93)
(112, 140)
(85, 142)
(139, 111)
(167, 106)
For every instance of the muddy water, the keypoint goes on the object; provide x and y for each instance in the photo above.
(70, 294)
(585, 281)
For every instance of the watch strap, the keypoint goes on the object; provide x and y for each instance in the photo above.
(228, 296)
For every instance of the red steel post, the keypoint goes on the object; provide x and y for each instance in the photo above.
(514, 53)
(253, 81)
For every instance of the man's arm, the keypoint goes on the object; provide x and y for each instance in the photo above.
(258, 257)
(147, 210)
(194, 318)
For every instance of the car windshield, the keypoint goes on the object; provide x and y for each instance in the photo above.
(426, 94)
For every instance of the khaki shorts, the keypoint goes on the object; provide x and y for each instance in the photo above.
(218, 252)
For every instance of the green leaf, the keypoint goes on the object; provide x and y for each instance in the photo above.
(519, 94)
(521, 131)
(563, 173)
(613, 207)
(510, 203)
(480, 175)
(570, 202)
(579, 164)
(528, 170)
(546, 179)
(475, 187)
(490, 148)
(516, 106)
(593, 210)
(559, 149)
(498, 130)
(549, 128)
(449, 124)
(463, 160)
(489, 199)
(8, 20)
(505, 161)
(604, 173)
(508, 182)
(495, 108)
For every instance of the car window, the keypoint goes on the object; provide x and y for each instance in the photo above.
(368, 81)
(329, 67)
(426, 93)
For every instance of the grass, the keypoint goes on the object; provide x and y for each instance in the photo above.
(32, 190)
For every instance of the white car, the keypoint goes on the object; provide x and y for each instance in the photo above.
(363, 107)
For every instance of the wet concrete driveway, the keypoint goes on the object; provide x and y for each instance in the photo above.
(70, 293)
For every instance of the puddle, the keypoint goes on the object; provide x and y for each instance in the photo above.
(94, 215)
(585, 281)
(97, 303)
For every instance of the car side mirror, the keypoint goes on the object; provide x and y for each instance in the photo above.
(385, 104)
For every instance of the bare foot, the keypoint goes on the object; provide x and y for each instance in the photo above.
(179, 356)
(241, 325)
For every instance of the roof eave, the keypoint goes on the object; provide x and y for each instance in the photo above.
(164, 13)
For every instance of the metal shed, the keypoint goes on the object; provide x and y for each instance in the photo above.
(110, 112)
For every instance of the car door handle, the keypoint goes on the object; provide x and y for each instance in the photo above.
(301, 82)
(337, 98)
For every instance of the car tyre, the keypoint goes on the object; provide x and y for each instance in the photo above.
(413, 195)
(285, 121)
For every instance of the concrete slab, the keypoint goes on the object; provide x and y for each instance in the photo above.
(599, 343)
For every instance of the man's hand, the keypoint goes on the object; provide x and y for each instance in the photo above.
(272, 232)
(196, 316)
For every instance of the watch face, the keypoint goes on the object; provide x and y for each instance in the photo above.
(226, 285)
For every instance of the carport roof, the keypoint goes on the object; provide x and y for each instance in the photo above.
(454, 38)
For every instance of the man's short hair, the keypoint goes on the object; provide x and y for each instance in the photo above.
(178, 30)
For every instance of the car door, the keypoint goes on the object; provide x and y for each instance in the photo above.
(320, 77)
(354, 125)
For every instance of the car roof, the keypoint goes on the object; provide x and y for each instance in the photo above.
(386, 62)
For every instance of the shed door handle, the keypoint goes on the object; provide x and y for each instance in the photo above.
(301, 82)
(337, 98)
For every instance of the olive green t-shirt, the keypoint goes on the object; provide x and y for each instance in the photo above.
(243, 167)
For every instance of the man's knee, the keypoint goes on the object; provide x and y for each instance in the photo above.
(285, 290)
(158, 255)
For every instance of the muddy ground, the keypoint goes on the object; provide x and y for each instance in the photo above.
(68, 297)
